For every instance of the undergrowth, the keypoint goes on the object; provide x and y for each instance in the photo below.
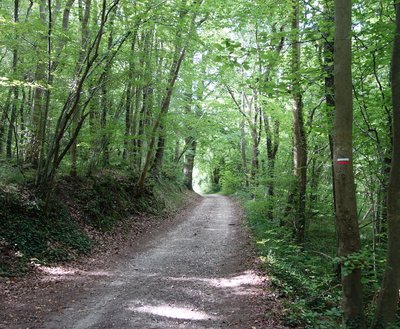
(305, 278)
(309, 277)
(31, 234)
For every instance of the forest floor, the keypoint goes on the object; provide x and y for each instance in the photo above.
(197, 269)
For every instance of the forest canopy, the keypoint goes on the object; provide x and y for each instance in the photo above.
(290, 105)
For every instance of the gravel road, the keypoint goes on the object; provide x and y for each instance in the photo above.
(196, 274)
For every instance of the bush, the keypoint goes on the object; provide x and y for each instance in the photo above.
(230, 183)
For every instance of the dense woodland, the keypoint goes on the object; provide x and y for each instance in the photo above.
(293, 106)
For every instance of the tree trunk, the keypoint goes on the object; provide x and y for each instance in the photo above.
(254, 155)
(243, 145)
(328, 67)
(105, 103)
(84, 17)
(173, 76)
(389, 294)
(21, 114)
(147, 95)
(39, 102)
(272, 145)
(346, 210)
(57, 148)
(178, 57)
(129, 105)
(13, 117)
(177, 151)
(300, 143)
(159, 156)
(4, 119)
(190, 146)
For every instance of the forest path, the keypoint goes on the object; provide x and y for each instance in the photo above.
(198, 273)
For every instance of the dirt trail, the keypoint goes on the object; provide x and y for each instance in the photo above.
(194, 275)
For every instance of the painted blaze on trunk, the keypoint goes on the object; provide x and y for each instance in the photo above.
(346, 209)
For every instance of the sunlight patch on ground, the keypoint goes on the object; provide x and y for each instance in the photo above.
(248, 278)
(173, 312)
(57, 273)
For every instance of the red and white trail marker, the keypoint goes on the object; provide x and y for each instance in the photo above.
(342, 161)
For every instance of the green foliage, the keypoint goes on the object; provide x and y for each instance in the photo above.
(29, 233)
(236, 49)
(13, 173)
(104, 201)
(305, 278)
(231, 182)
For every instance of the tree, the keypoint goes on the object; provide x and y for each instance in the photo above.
(346, 209)
(299, 137)
(12, 119)
(180, 48)
(389, 294)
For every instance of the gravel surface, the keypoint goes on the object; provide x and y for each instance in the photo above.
(198, 273)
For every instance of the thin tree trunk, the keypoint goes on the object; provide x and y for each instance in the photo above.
(300, 143)
(179, 55)
(57, 149)
(14, 108)
(39, 101)
(243, 145)
(328, 67)
(177, 151)
(21, 114)
(105, 104)
(147, 94)
(4, 118)
(136, 159)
(389, 294)
(272, 146)
(255, 137)
(129, 105)
(159, 156)
(174, 71)
(346, 209)
(190, 145)
(254, 154)
(84, 16)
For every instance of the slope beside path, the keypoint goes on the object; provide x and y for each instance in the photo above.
(196, 273)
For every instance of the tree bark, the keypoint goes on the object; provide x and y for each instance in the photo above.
(14, 108)
(57, 149)
(243, 145)
(146, 93)
(159, 156)
(39, 102)
(190, 145)
(328, 67)
(105, 102)
(127, 153)
(299, 137)
(346, 209)
(389, 294)
(84, 16)
(174, 71)
(4, 117)
(272, 146)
